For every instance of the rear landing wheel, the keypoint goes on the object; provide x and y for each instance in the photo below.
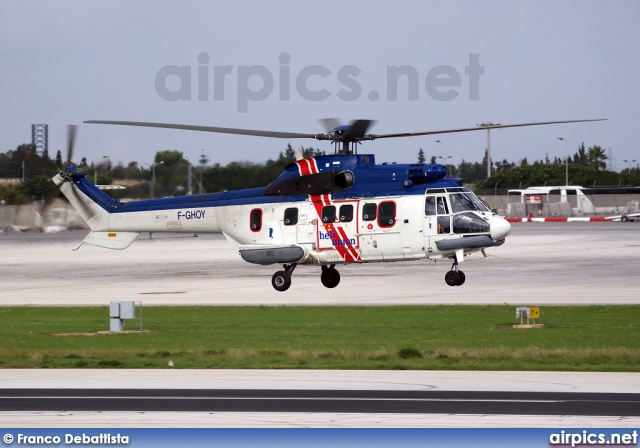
(281, 281)
(330, 277)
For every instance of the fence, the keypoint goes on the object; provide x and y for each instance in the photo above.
(20, 217)
(573, 206)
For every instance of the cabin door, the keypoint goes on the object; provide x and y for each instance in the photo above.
(437, 220)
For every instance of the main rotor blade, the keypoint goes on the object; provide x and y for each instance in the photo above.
(478, 128)
(189, 127)
(329, 124)
(71, 137)
(357, 129)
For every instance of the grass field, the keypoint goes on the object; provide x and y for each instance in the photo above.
(589, 338)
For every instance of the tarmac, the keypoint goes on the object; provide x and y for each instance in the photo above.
(556, 263)
(315, 380)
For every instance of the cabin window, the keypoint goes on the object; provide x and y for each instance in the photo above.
(346, 213)
(387, 214)
(291, 217)
(255, 220)
(369, 212)
(430, 206)
(329, 213)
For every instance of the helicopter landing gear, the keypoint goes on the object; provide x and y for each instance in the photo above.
(330, 276)
(454, 277)
(281, 280)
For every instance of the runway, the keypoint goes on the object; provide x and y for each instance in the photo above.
(309, 398)
(297, 401)
(540, 264)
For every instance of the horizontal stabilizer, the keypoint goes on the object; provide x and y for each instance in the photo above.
(111, 240)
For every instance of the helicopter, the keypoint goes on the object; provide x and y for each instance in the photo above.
(323, 211)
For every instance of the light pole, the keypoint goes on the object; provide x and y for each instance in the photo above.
(488, 125)
(189, 189)
(629, 162)
(443, 157)
(95, 169)
(444, 161)
(153, 176)
(566, 160)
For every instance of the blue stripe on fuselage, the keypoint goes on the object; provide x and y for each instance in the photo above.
(248, 196)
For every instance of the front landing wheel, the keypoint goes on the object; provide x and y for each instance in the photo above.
(452, 278)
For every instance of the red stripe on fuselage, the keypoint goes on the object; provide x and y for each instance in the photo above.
(307, 167)
(347, 252)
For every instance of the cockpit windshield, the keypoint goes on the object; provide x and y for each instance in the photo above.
(462, 202)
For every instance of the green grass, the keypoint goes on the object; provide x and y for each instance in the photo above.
(581, 338)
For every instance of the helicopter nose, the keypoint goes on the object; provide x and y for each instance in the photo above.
(499, 228)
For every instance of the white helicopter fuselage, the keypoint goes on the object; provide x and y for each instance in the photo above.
(323, 210)
(313, 229)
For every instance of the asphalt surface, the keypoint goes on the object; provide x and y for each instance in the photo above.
(540, 264)
(291, 400)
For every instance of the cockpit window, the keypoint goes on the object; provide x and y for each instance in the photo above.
(442, 206)
(462, 202)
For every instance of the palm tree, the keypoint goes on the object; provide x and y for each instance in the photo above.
(596, 158)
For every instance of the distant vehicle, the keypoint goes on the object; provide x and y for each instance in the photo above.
(633, 213)
(571, 200)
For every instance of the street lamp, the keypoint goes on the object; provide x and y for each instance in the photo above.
(444, 160)
(153, 175)
(629, 162)
(443, 157)
(566, 161)
(488, 125)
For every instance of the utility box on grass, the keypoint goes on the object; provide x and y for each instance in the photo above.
(523, 312)
(119, 311)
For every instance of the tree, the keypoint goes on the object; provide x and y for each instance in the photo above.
(58, 161)
(504, 166)
(596, 158)
(37, 187)
(421, 158)
(580, 157)
(169, 157)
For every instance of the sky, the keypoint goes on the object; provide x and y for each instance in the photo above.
(284, 65)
